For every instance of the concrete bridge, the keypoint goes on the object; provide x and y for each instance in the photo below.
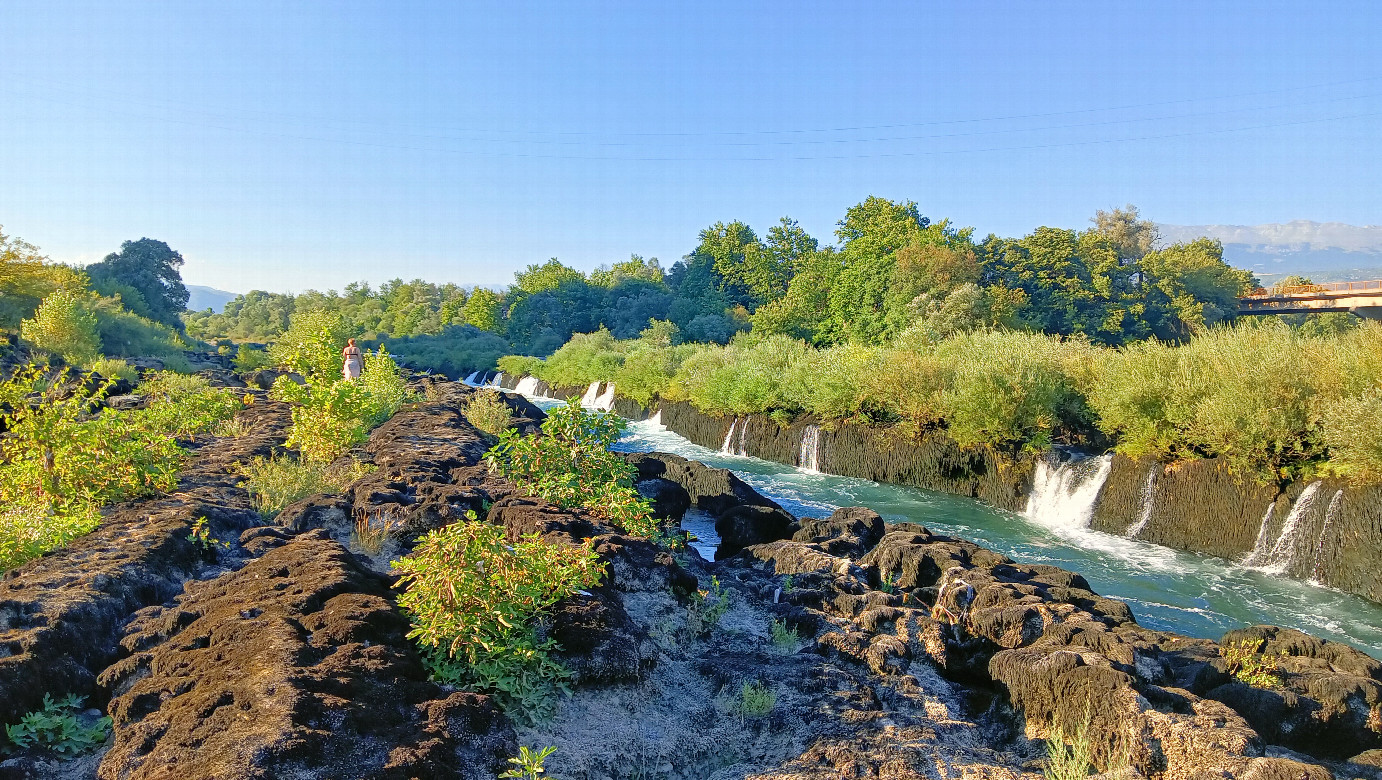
(1361, 298)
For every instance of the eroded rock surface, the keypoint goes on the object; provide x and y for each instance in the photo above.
(294, 666)
(61, 615)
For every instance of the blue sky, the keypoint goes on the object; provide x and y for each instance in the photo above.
(286, 146)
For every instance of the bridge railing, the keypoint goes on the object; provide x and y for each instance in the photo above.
(1374, 285)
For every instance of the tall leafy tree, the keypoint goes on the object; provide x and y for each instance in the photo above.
(151, 268)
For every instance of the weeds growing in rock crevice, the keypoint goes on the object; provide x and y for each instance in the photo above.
(475, 600)
(58, 728)
(1075, 754)
(1259, 670)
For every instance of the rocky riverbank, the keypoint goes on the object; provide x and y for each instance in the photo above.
(1327, 531)
(834, 647)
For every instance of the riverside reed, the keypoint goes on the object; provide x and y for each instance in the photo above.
(1276, 402)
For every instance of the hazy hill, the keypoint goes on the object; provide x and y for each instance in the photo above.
(203, 298)
(1324, 251)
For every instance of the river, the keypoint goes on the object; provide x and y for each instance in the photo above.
(1167, 589)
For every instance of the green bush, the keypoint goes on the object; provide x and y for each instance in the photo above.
(457, 351)
(520, 365)
(125, 334)
(64, 325)
(586, 358)
(249, 358)
(59, 464)
(474, 599)
(184, 405)
(115, 368)
(745, 377)
(570, 464)
(1006, 389)
(274, 483)
(488, 412)
(331, 416)
(312, 345)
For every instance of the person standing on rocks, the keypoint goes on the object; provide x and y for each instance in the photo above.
(354, 361)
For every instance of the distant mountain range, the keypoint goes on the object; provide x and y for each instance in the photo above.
(1323, 251)
(203, 298)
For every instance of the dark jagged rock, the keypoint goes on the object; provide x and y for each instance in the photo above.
(669, 500)
(744, 526)
(1329, 702)
(294, 666)
(710, 489)
(61, 615)
(427, 475)
(849, 532)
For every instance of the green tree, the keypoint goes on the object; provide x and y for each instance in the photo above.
(26, 278)
(1189, 287)
(482, 310)
(150, 267)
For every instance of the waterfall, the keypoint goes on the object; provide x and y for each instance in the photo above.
(742, 450)
(527, 386)
(1335, 505)
(1260, 550)
(1279, 559)
(591, 393)
(727, 447)
(605, 402)
(470, 380)
(1147, 495)
(656, 419)
(1064, 494)
(809, 458)
(498, 380)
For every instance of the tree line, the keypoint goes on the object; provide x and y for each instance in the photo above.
(890, 271)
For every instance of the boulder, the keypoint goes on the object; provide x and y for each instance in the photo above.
(669, 500)
(849, 532)
(713, 490)
(746, 525)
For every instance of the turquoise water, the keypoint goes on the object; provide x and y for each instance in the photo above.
(1166, 589)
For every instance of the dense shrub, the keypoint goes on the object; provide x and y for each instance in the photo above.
(59, 463)
(458, 351)
(331, 416)
(64, 325)
(249, 358)
(312, 345)
(520, 365)
(184, 406)
(586, 358)
(570, 464)
(474, 600)
(488, 412)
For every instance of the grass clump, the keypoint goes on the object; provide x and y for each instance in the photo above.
(115, 368)
(278, 481)
(58, 728)
(1074, 755)
(570, 464)
(474, 600)
(785, 638)
(754, 700)
(488, 412)
(706, 609)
